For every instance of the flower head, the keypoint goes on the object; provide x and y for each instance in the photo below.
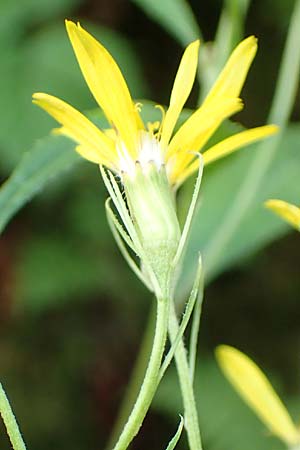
(129, 140)
(151, 160)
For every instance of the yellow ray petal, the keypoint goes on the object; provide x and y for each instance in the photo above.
(106, 83)
(237, 141)
(257, 392)
(229, 145)
(77, 127)
(182, 87)
(89, 154)
(227, 86)
(193, 134)
(290, 213)
(232, 77)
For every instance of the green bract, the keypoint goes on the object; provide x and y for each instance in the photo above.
(152, 207)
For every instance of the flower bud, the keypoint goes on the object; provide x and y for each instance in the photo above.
(152, 207)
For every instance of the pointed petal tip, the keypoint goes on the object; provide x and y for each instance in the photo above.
(58, 131)
(72, 27)
(37, 97)
(221, 350)
(248, 46)
(251, 41)
(272, 129)
(69, 23)
(267, 130)
(37, 94)
(193, 48)
(287, 211)
(253, 38)
(252, 44)
(271, 204)
(195, 44)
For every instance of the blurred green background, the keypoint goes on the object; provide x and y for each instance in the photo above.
(72, 313)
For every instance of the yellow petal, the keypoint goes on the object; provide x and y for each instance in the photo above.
(106, 83)
(77, 127)
(193, 134)
(232, 77)
(92, 156)
(257, 392)
(206, 120)
(290, 213)
(229, 145)
(182, 87)
(237, 141)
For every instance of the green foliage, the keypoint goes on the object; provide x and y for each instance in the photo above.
(173, 442)
(45, 286)
(175, 16)
(230, 30)
(17, 15)
(48, 158)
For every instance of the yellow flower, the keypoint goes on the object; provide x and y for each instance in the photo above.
(256, 390)
(290, 213)
(129, 140)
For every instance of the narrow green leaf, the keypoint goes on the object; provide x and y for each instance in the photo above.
(230, 28)
(49, 157)
(117, 198)
(120, 235)
(175, 16)
(173, 442)
(117, 226)
(190, 215)
(214, 55)
(196, 326)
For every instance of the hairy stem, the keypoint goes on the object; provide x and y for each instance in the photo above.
(150, 382)
(10, 422)
(186, 385)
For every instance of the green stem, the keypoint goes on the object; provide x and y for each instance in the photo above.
(186, 385)
(10, 422)
(136, 379)
(150, 382)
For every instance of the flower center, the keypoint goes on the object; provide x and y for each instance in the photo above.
(149, 151)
